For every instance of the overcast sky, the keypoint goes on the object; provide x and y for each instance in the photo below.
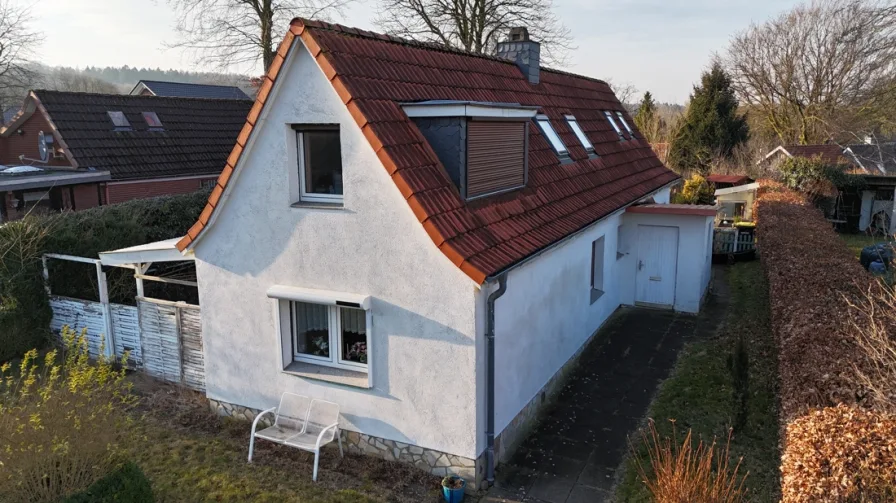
(657, 45)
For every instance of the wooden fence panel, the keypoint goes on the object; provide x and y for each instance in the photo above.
(126, 332)
(193, 365)
(79, 314)
(160, 342)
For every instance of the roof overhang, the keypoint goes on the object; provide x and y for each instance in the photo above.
(740, 188)
(703, 210)
(440, 108)
(51, 179)
(159, 251)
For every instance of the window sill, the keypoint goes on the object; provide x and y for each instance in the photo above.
(328, 374)
(596, 294)
(317, 206)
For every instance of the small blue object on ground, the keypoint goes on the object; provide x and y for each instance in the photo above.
(454, 494)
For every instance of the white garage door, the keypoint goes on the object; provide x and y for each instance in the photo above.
(657, 265)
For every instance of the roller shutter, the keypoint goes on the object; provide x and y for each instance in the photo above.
(496, 156)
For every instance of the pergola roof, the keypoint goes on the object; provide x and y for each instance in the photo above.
(160, 251)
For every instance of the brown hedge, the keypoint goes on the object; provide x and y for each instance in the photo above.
(834, 449)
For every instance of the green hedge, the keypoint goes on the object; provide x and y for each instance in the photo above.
(24, 308)
(128, 484)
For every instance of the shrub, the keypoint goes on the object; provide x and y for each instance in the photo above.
(61, 422)
(874, 325)
(696, 190)
(817, 178)
(679, 472)
(128, 484)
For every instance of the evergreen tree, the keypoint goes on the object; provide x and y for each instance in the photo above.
(712, 127)
(648, 120)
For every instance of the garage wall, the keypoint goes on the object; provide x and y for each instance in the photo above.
(694, 256)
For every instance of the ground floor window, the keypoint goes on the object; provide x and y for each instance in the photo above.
(330, 335)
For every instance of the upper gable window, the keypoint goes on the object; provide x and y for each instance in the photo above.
(574, 125)
(152, 120)
(613, 123)
(319, 163)
(119, 120)
(548, 130)
(624, 123)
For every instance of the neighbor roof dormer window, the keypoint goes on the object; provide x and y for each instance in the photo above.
(574, 125)
(624, 123)
(152, 120)
(319, 158)
(548, 131)
(119, 121)
(613, 123)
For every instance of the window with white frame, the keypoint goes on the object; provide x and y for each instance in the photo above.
(548, 131)
(574, 125)
(624, 123)
(597, 269)
(613, 123)
(329, 335)
(621, 242)
(319, 159)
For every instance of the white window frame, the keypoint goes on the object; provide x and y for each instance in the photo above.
(286, 296)
(613, 123)
(304, 195)
(553, 138)
(574, 125)
(624, 123)
(598, 264)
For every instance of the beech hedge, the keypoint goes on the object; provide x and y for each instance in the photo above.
(835, 446)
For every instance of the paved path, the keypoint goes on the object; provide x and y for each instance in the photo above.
(573, 454)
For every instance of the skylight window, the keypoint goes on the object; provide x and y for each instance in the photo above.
(119, 120)
(152, 120)
(624, 123)
(574, 125)
(613, 123)
(551, 135)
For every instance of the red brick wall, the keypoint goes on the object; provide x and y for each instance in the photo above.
(26, 143)
(86, 196)
(120, 192)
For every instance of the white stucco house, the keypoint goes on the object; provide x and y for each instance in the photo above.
(429, 237)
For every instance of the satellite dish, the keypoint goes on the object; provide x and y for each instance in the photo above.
(43, 147)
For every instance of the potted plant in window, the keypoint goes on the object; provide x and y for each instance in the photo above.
(453, 488)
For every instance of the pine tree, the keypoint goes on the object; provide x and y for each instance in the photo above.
(648, 120)
(712, 127)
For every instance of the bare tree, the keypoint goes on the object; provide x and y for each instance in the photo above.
(477, 25)
(18, 42)
(70, 79)
(242, 33)
(626, 92)
(818, 68)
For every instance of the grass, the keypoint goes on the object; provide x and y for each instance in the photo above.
(700, 393)
(190, 455)
(855, 242)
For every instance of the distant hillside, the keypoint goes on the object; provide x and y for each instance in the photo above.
(124, 78)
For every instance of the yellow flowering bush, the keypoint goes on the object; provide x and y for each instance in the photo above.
(63, 420)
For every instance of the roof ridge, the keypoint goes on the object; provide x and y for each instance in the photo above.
(134, 96)
(434, 46)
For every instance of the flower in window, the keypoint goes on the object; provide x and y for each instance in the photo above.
(358, 352)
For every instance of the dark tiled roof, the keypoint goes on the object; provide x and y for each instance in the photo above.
(732, 179)
(197, 135)
(373, 74)
(183, 90)
(878, 159)
(829, 153)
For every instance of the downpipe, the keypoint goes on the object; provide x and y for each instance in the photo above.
(490, 377)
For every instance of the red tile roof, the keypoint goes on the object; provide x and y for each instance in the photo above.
(732, 179)
(373, 74)
(828, 153)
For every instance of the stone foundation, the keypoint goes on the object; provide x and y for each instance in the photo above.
(432, 461)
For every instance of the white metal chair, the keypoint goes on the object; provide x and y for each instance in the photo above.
(301, 423)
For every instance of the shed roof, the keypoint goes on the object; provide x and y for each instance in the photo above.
(705, 210)
(732, 179)
(375, 74)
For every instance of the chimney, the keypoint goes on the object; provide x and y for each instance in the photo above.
(522, 51)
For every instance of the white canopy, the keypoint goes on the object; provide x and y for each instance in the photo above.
(160, 251)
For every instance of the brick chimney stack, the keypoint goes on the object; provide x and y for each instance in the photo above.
(522, 51)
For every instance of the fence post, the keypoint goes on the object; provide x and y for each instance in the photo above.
(46, 273)
(109, 341)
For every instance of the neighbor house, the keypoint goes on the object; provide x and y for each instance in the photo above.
(185, 90)
(71, 151)
(872, 208)
(429, 238)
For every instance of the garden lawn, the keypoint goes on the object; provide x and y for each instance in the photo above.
(855, 242)
(700, 394)
(190, 455)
